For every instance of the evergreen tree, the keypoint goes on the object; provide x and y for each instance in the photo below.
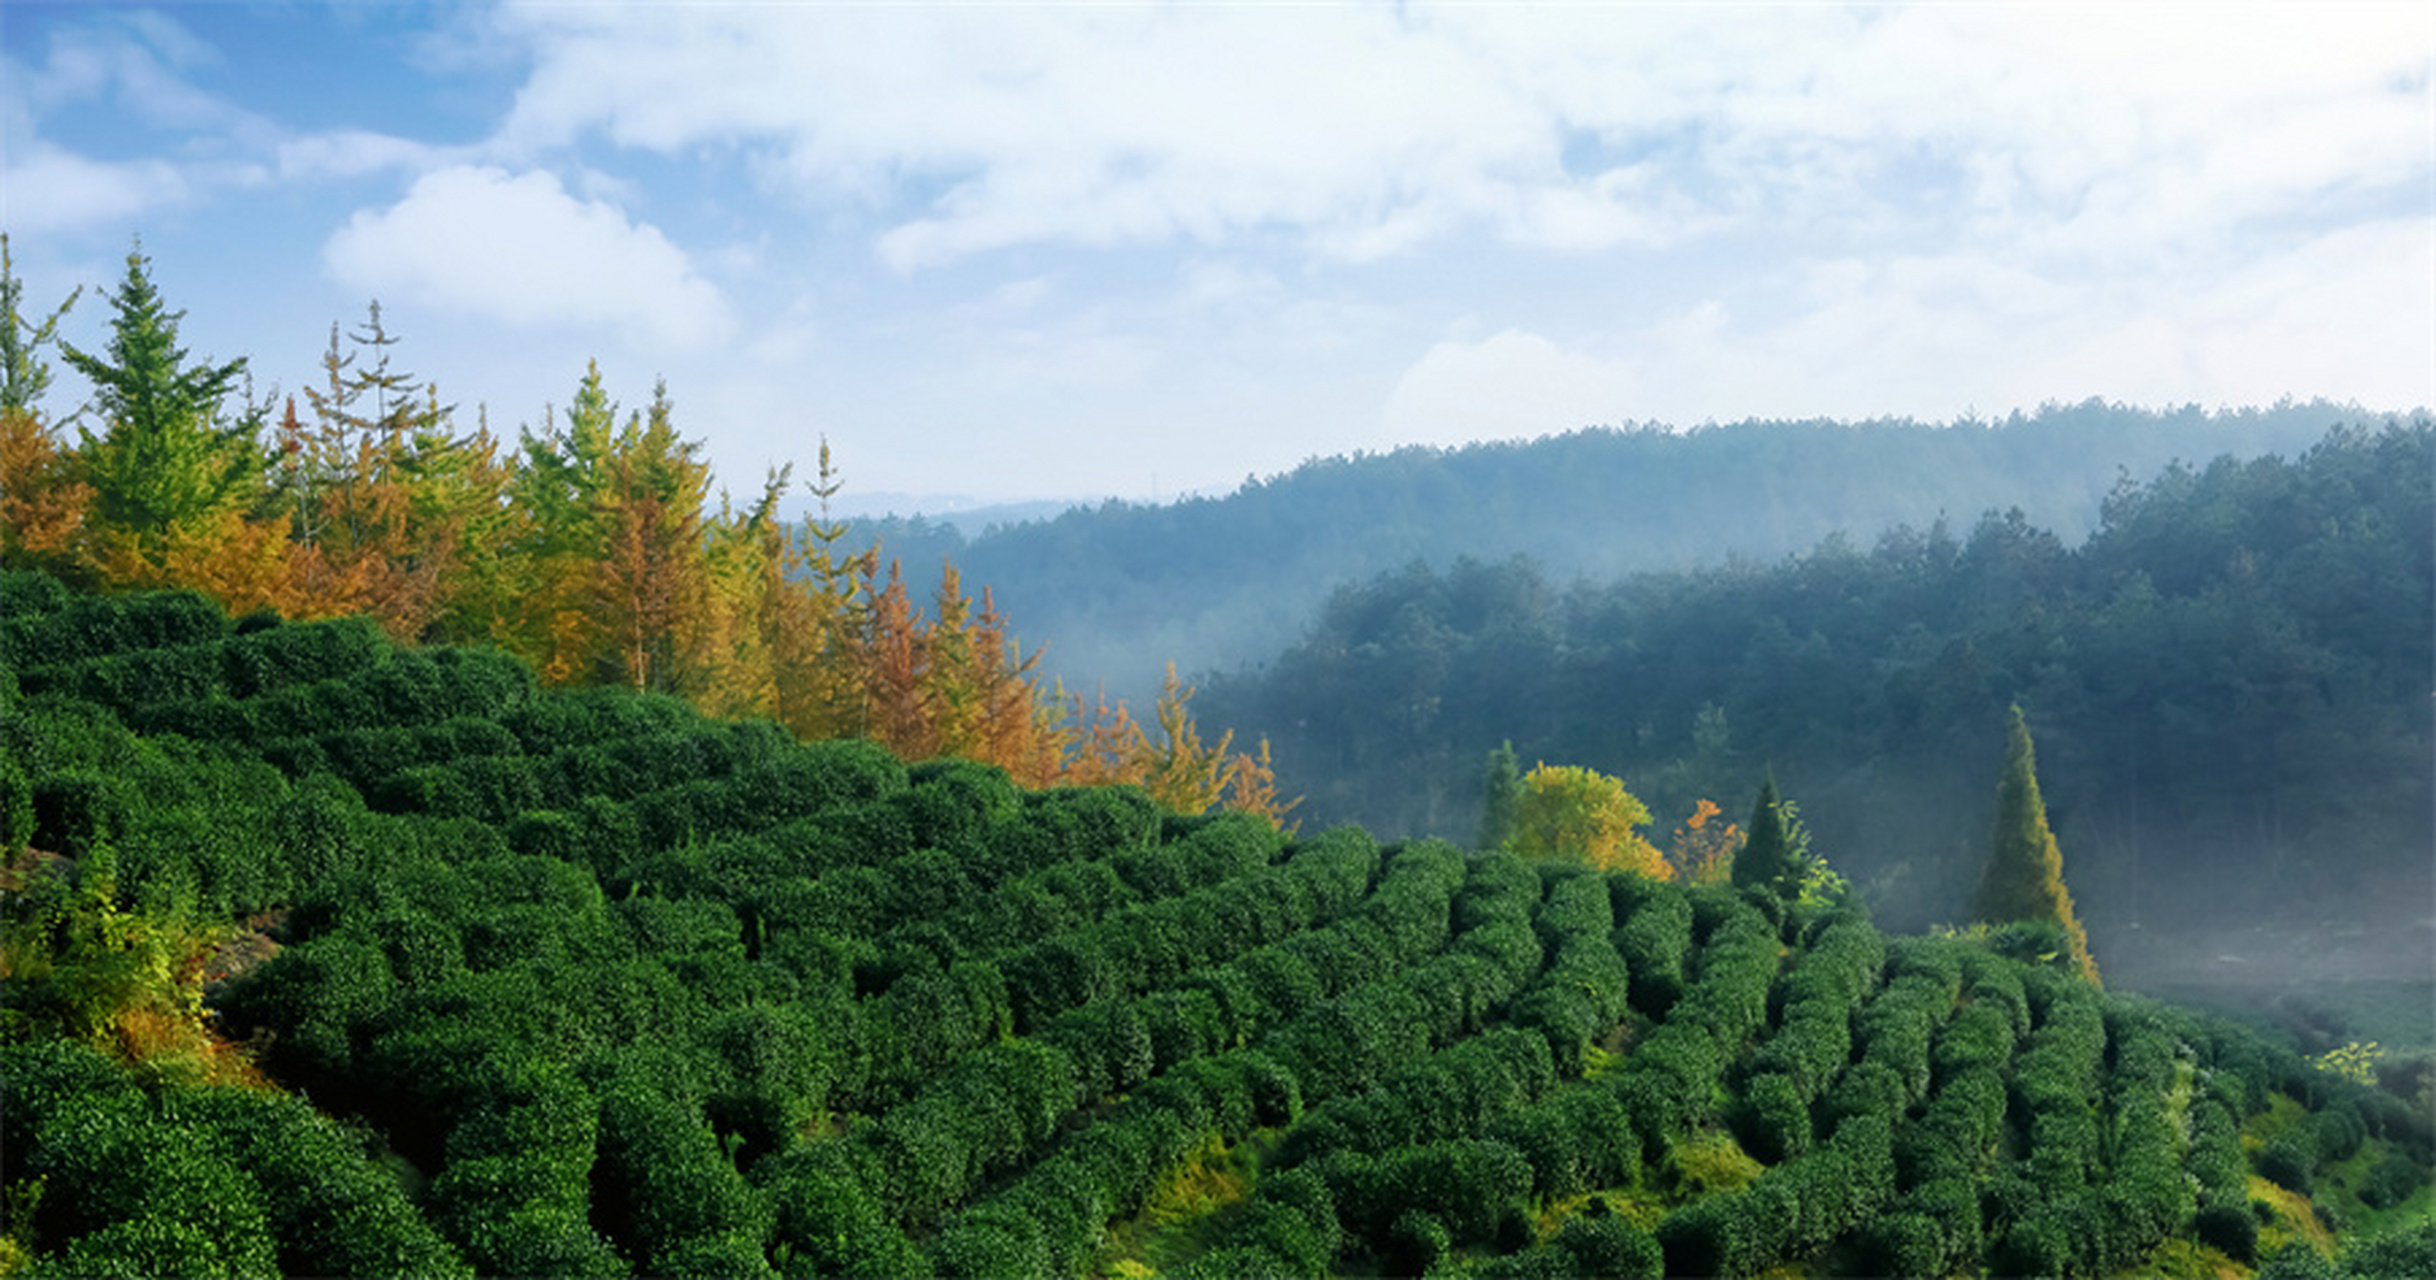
(165, 465)
(2024, 875)
(23, 375)
(1501, 789)
(1771, 857)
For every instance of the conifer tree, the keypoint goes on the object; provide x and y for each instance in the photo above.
(1177, 768)
(165, 466)
(2024, 876)
(23, 375)
(1771, 858)
(42, 507)
(895, 668)
(1501, 789)
(649, 589)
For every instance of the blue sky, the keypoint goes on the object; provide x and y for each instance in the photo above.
(1012, 251)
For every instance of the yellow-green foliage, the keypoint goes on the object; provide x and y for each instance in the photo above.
(1570, 812)
(2294, 1219)
(2024, 876)
(2282, 1112)
(2181, 1259)
(1709, 1162)
(2356, 1062)
(1180, 1218)
(127, 981)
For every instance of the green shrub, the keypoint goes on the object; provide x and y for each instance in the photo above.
(1655, 939)
(2391, 1181)
(828, 1221)
(1904, 1244)
(988, 1244)
(2287, 1162)
(2230, 1228)
(1774, 1121)
(2404, 1251)
(1417, 1241)
(1606, 1245)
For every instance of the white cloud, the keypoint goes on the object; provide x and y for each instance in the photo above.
(352, 153)
(1368, 131)
(2346, 315)
(44, 189)
(520, 249)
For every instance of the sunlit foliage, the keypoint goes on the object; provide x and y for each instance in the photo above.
(2023, 878)
(1565, 811)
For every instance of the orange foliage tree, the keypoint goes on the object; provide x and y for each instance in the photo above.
(1702, 849)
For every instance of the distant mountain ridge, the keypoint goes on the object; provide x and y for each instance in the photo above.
(1115, 591)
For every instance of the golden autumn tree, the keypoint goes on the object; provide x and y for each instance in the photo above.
(651, 588)
(896, 671)
(1102, 742)
(743, 566)
(954, 697)
(817, 612)
(1251, 787)
(42, 505)
(1176, 767)
(559, 484)
(1021, 729)
(1569, 812)
(379, 491)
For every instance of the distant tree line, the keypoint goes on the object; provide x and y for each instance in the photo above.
(1218, 582)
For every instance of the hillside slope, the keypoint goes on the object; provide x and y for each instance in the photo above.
(585, 984)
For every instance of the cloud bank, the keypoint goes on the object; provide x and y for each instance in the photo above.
(519, 249)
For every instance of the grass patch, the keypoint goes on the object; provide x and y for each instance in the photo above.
(1706, 1163)
(2180, 1259)
(1641, 1208)
(2343, 1180)
(1186, 1210)
(2282, 1113)
(2294, 1218)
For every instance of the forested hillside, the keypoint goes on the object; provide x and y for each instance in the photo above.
(1217, 582)
(590, 546)
(2230, 679)
(554, 982)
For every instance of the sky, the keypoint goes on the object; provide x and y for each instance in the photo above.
(1001, 252)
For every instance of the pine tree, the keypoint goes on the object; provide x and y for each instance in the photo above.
(23, 375)
(165, 467)
(1771, 858)
(895, 664)
(1501, 789)
(42, 508)
(2024, 876)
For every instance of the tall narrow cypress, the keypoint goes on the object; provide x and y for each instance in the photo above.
(2024, 875)
(1768, 859)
